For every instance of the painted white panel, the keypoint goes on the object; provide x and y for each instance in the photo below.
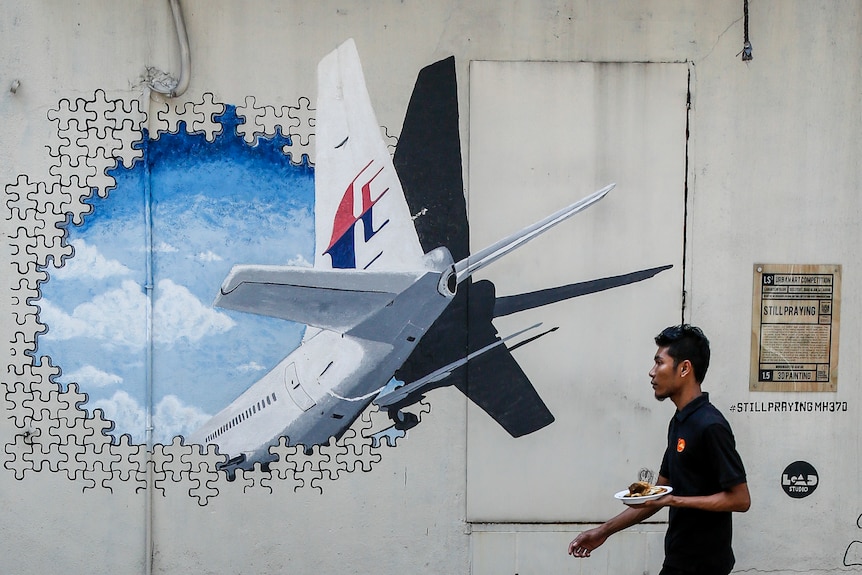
(542, 135)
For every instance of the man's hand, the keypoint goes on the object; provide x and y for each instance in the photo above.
(586, 542)
(655, 504)
(583, 544)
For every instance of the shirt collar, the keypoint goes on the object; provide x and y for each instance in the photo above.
(691, 407)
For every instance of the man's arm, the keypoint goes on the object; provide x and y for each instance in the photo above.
(583, 544)
(735, 498)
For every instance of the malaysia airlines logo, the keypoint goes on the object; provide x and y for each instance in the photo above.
(342, 245)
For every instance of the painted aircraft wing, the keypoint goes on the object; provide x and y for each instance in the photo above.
(361, 217)
(331, 299)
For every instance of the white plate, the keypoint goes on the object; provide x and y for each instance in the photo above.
(640, 499)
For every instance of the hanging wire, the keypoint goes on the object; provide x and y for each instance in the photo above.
(746, 44)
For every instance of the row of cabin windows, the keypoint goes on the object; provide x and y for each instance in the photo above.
(259, 406)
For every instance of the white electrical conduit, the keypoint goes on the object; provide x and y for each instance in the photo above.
(177, 89)
(148, 366)
(185, 58)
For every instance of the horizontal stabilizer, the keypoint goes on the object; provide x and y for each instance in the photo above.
(331, 299)
(473, 263)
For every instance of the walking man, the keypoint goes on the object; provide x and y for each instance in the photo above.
(700, 463)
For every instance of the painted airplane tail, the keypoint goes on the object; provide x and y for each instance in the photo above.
(361, 218)
(425, 180)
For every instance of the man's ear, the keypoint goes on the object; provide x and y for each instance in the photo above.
(685, 368)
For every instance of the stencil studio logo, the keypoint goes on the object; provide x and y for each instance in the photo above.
(799, 479)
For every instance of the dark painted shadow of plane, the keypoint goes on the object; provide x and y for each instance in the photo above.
(428, 162)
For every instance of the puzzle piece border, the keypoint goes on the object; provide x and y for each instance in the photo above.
(93, 137)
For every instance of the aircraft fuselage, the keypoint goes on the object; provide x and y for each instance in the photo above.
(320, 388)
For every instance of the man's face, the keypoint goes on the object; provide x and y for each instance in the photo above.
(664, 375)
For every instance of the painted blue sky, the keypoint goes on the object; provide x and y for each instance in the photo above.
(214, 205)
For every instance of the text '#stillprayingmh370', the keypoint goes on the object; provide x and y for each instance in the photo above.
(789, 406)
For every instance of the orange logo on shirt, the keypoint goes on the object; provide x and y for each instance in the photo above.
(680, 445)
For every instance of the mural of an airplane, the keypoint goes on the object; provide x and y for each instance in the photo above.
(390, 293)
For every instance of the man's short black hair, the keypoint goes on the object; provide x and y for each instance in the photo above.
(686, 342)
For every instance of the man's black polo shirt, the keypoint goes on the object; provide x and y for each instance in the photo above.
(700, 459)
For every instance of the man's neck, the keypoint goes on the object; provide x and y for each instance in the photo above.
(687, 394)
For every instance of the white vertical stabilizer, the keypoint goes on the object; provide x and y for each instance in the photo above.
(361, 217)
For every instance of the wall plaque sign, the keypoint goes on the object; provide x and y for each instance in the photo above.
(794, 327)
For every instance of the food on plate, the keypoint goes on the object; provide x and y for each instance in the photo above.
(643, 489)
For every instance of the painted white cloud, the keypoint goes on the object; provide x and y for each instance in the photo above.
(127, 414)
(208, 256)
(171, 417)
(178, 314)
(119, 317)
(165, 248)
(251, 366)
(60, 324)
(89, 263)
(90, 376)
(299, 262)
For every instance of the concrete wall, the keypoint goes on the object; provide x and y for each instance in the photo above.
(772, 176)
